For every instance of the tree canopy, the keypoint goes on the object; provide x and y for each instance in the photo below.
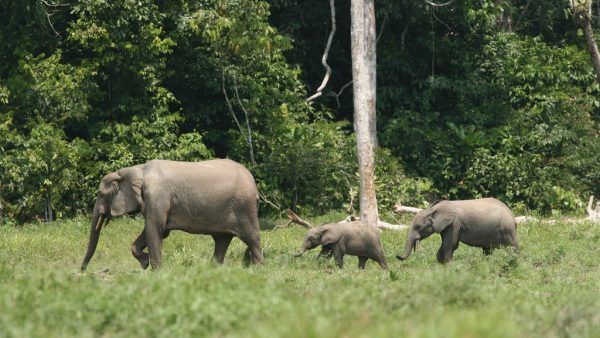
(477, 98)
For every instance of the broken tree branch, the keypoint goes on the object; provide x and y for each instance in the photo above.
(296, 219)
(325, 55)
(593, 214)
(380, 224)
(400, 209)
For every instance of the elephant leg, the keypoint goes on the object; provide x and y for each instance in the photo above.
(381, 261)
(362, 261)
(449, 244)
(338, 255)
(221, 245)
(444, 254)
(155, 229)
(137, 249)
(326, 252)
(254, 253)
(487, 251)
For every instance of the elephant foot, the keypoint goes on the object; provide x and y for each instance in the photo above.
(144, 261)
(145, 264)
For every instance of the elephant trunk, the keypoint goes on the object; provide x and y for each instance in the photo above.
(96, 226)
(303, 249)
(412, 241)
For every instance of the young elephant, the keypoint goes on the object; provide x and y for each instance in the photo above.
(486, 223)
(352, 238)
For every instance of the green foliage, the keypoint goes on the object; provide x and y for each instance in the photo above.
(45, 89)
(392, 185)
(464, 109)
(315, 165)
(39, 173)
(553, 96)
(550, 289)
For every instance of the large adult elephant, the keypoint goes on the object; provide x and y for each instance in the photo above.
(216, 197)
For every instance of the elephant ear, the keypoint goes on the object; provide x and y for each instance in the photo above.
(129, 196)
(330, 236)
(441, 219)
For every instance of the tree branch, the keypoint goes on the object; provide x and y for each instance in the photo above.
(296, 219)
(229, 103)
(325, 55)
(434, 4)
(249, 138)
(53, 4)
(45, 4)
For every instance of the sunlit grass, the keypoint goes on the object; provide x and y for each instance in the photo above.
(551, 289)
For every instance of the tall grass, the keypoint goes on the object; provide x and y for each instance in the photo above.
(551, 289)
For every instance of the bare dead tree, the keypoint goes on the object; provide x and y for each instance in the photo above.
(349, 83)
(325, 55)
(364, 69)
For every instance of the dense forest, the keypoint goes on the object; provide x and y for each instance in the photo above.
(476, 98)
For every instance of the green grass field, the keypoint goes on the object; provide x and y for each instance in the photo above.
(552, 289)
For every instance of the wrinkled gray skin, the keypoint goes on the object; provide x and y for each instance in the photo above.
(486, 223)
(217, 198)
(352, 238)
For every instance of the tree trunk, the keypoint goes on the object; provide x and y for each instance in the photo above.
(363, 38)
(582, 12)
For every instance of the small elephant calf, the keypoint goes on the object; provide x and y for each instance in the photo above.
(352, 238)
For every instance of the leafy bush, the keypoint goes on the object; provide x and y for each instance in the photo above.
(535, 157)
(40, 173)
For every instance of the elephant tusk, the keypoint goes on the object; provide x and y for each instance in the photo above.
(99, 223)
(417, 245)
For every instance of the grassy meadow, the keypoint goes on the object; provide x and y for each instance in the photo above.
(552, 289)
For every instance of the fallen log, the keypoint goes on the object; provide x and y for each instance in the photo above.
(593, 214)
(296, 219)
(380, 224)
(401, 209)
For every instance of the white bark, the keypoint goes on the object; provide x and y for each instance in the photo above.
(380, 224)
(400, 209)
(363, 41)
(325, 54)
(593, 214)
(396, 227)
